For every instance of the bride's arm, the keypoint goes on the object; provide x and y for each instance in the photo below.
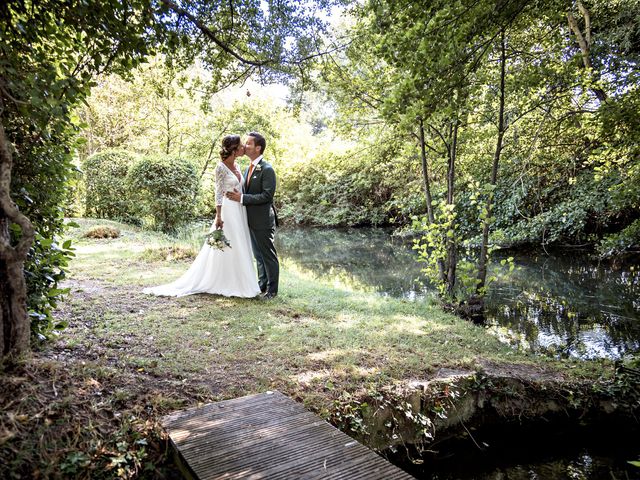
(219, 195)
(218, 222)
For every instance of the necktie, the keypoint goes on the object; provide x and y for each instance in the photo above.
(250, 172)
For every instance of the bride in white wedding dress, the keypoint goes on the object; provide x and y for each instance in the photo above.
(229, 272)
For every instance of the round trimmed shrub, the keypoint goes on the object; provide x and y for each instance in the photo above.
(165, 190)
(106, 194)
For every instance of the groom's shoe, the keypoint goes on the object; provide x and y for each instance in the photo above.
(268, 296)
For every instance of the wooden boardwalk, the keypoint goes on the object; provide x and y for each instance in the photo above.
(269, 436)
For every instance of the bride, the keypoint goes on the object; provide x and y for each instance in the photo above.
(229, 272)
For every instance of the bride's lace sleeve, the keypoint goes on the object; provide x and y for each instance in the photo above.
(219, 184)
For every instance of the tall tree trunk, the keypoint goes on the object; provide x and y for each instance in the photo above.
(484, 248)
(14, 320)
(427, 190)
(425, 174)
(452, 254)
(584, 42)
(168, 123)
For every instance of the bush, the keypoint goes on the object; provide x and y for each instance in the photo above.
(617, 243)
(40, 177)
(341, 191)
(106, 194)
(102, 231)
(164, 191)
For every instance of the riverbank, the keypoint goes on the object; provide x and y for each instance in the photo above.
(90, 402)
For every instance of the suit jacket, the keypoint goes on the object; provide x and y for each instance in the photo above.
(258, 197)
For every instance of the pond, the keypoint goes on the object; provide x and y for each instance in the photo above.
(561, 303)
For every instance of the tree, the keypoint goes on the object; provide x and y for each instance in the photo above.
(487, 213)
(158, 108)
(584, 40)
(433, 55)
(162, 189)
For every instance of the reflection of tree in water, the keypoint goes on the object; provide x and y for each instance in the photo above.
(369, 257)
(564, 303)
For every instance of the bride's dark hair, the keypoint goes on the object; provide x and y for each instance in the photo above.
(229, 144)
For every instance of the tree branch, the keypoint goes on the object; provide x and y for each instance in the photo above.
(211, 35)
(439, 134)
(585, 44)
(9, 208)
(587, 22)
(582, 43)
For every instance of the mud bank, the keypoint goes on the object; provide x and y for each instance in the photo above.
(422, 415)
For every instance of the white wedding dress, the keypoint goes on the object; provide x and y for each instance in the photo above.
(229, 272)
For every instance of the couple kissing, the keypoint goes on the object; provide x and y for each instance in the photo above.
(246, 215)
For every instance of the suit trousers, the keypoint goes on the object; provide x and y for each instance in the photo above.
(264, 250)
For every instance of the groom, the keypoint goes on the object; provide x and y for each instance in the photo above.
(259, 188)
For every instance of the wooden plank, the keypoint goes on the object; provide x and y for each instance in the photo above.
(253, 428)
(270, 436)
(232, 408)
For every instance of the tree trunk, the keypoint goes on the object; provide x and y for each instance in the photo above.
(14, 320)
(584, 42)
(427, 191)
(452, 254)
(168, 123)
(4, 285)
(425, 174)
(484, 248)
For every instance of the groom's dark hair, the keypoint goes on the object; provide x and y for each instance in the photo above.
(259, 140)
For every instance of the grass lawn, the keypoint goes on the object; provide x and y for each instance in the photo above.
(312, 339)
(128, 358)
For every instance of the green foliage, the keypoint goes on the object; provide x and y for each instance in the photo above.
(333, 191)
(431, 246)
(46, 268)
(542, 211)
(616, 162)
(569, 170)
(620, 242)
(624, 385)
(168, 113)
(163, 191)
(51, 52)
(352, 187)
(106, 193)
(41, 172)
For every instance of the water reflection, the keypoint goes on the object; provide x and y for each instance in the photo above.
(560, 303)
(566, 304)
(370, 257)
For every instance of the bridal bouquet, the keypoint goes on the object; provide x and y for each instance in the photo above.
(217, 240)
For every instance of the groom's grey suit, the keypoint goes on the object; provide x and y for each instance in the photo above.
(258, 198)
